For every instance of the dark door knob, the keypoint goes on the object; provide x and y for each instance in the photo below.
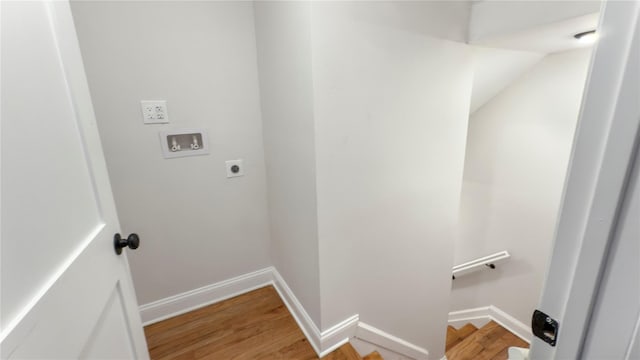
(132, 241)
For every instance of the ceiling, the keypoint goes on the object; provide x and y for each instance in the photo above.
(545, 38)
(510, 38)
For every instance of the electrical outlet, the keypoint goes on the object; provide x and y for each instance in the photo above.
(154, 111)
(234, 168)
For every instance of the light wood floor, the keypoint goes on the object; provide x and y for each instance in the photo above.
(490, 342)
(256, 325)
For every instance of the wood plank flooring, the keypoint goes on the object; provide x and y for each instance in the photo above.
(345, 352)
(455, 337)
(490, 342)
(373, 356)
(256, 325)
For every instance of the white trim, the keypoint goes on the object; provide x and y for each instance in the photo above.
(298, 312)
(380, 338)
(512, 324)
(338, 335)
(206, 295)
(481, 315)
(322, 342)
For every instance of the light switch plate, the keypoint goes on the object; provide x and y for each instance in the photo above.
(234, 168)
(154, 111)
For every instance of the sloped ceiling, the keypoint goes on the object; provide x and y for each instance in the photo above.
(545, 38)
(495, 69)
(511, 37)
(494, 19)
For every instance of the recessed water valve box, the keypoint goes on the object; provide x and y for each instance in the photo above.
(184, 142)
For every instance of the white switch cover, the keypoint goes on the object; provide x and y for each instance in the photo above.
(234, 168)
(154, 111)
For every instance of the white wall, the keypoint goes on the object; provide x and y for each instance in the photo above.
(284, 60)
(196, 226)
(495, 69)
(391, 111)
(440, 19)
(324, 71)
(516, 159)
(365, 117)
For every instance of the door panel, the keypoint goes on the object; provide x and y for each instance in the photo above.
(110, 338)
(60, 324)
(64, 292)
(46, 181)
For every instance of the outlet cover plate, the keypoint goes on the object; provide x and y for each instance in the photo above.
(235, 168)
(154, 111)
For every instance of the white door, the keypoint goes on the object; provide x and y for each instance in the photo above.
(65, 293)
(598, 206)
(613, 329)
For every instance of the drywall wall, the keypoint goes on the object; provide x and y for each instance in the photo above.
(440, 19)
(516, 159)
(305, 52)
(391, 111)
(283, 35)
(196, 226)
(364, 125)
(495, 69)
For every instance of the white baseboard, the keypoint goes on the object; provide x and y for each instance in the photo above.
(339, 334)
(364, 348)
(385, 340)
(482, 315)
(206, 295)
(309, 328)
(477, 316)
(510, 323)
(322, 342)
